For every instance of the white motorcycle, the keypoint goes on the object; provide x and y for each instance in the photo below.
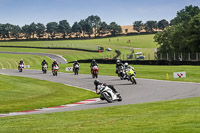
(76, 69)
(21, 66)
(106, 93)
(44, 68)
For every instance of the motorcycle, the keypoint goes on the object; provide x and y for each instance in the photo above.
(20, 67)
(106, 93)
(44, 68)
(55, 70)
(76, 69)
(121, 72)
(95, 70)
(131, 76)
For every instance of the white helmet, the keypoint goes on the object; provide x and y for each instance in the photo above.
(118, 61)
(126, 64)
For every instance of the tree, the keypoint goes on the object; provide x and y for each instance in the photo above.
(64, 28)
(26, 31)
(138, 26)
(114, 28)
(76, 29)
(104, 29)
(52, 28)
(16, 31)
(40, 29)
(94, 22)
(6, 29)
(185, 15)
(150, 26)
(162, 24)
(86, 27)
(32, 29)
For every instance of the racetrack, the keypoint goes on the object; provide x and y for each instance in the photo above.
(146, 90)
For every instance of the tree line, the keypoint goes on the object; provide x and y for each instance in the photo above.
(183, 34)
(92, 25)
(85, 27)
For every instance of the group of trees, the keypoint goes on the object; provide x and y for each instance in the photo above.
(150, 26)
(183, 36)
(86, 27)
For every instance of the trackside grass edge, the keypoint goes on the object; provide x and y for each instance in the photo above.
(166, 116)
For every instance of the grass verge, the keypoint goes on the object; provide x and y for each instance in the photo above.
(167, 116)
(19, 94)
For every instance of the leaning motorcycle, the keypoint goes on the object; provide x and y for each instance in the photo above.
(107, 94)
(95, 71)
(76, 69)
(20, 67)
(131, 76)
(55, 70)
(44, 68)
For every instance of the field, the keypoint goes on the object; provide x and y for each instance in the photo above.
(140, 43)
(167, 116)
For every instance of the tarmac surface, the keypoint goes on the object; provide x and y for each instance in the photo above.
(146, 90)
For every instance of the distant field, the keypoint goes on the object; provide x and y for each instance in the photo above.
(145, 43)
(139, 41)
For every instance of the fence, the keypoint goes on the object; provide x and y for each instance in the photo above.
(178, 56)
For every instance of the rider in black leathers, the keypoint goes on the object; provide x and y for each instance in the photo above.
(43, 63)
(118, 65)
(93, 63)
(75, 63)
(96, 83)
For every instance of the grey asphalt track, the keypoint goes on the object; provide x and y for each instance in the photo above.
(146, 90)
(58, 58)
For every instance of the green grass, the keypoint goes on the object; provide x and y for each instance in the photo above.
(180, 116)
(72, 55)
(11, 61)
(144, 42)
(19, 94)
(139, 41)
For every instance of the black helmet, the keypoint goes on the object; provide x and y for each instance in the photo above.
(43, 59)
(96, 82)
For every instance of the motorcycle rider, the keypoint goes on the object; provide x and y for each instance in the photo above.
(93, 63)
(43, 63)
(126, 66)
(75, 63)
(118, 65)
(21, 62)
(96, 83)
(54, 64)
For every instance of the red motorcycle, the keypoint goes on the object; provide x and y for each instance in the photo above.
(95, 71)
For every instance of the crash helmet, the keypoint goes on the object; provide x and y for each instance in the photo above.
(44, 60)
(93, 60)
(21, 59)
(126, 64)
(96, 82)
(118, 61)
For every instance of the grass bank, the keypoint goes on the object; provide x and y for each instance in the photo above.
(19, 94)
(169, 116)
